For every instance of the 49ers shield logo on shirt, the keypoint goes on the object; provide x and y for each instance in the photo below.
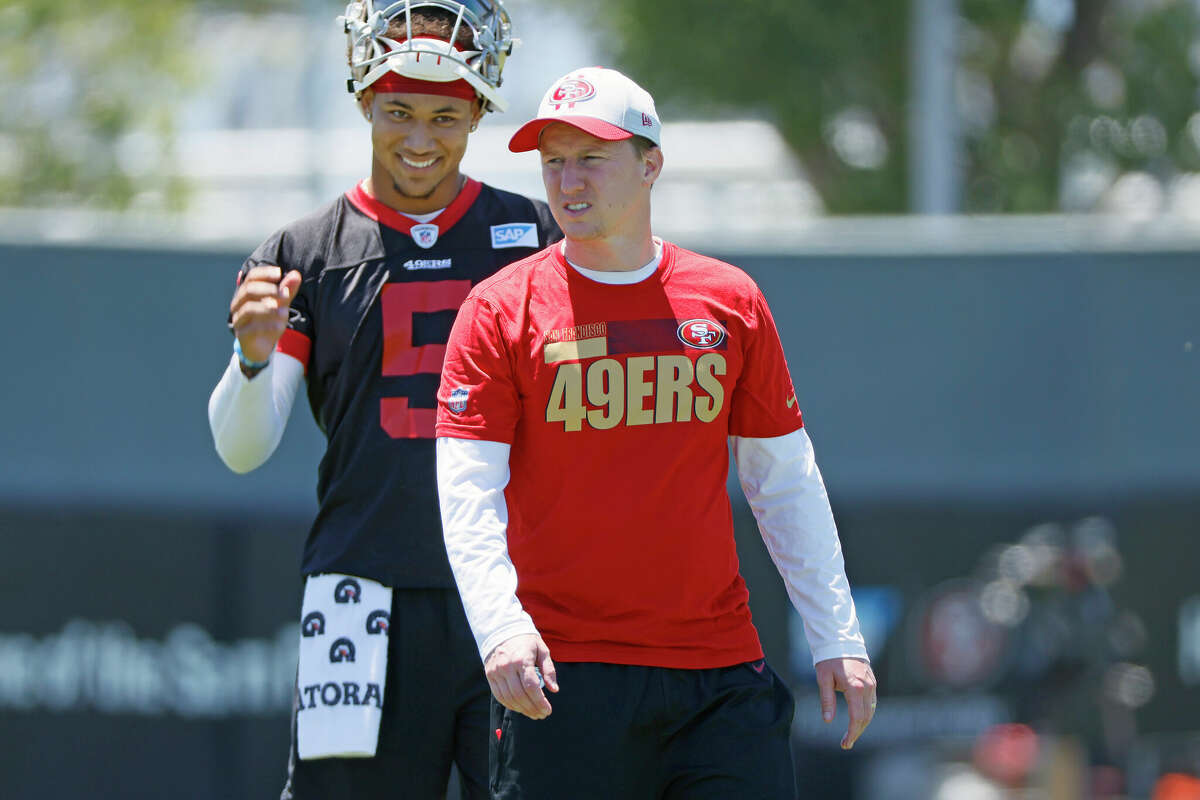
(701, 333)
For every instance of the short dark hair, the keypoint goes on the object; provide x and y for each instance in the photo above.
(433, 22)
(642, 145)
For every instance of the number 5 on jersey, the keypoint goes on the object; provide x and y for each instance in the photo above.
(399, 303)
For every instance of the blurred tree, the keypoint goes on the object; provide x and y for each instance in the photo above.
(1061, 98)
(87, 94)
(1057, 97)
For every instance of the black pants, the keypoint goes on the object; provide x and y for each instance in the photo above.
(649, 733)
(435, 712)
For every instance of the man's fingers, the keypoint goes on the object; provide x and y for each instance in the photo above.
(860, 717)
(535, 680)
(828, 698)
(266, 272)
(528, 699)
(251, 291)
(854, 678)
(258, 300)
(501, 691)
(264, 290)
(516, 688)
(259, 318)
(508, 691)
(858, 724)
(260, 296)
(289, 286)
(531, 684)
(860, 692)
(512, 670)
(549, 674)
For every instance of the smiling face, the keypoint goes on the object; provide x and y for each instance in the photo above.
(418, 141)
(598, 190)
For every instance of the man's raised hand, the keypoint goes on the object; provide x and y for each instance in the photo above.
(259, 309)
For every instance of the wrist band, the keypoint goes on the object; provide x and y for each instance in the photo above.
(245, 362)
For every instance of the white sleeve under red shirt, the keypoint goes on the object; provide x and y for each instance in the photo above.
(617, 401)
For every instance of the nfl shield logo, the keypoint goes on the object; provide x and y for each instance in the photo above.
(425, 235)
(458, 400)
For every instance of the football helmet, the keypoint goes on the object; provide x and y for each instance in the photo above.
(372, 53)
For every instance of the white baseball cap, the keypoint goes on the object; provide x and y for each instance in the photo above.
(599, 101)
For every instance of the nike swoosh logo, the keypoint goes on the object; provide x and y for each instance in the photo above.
(791, 401)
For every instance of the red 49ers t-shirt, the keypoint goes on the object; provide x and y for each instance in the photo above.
(617, 401)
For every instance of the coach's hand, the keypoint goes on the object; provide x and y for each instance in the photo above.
(853, 678)
(512, 670)
(259, 309)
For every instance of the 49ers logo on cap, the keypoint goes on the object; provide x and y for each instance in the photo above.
(571, 91)
(701, 333)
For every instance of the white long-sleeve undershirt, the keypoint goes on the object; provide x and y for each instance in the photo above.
(782, 484)
(471, 477)
(247, 415)
(784, 488)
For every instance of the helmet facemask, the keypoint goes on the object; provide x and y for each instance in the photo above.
(373, 53)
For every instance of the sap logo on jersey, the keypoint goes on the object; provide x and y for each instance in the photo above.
(514, 234)
(701, 333)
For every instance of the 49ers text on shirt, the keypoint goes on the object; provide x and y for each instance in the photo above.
(598, 385)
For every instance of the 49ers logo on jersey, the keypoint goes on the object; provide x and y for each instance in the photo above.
(701, 333)
(572, 90)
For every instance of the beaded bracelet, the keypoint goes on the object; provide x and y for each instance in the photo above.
(245, 362)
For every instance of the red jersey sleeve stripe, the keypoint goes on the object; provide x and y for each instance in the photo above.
(296, 345)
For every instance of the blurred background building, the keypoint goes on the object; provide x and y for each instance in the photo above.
(976, 222)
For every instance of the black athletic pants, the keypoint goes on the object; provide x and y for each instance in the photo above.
(647, 733)
(435, 711)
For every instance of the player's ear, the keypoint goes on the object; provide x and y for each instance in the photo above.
(652, 164)
(365, 101)
(477, 112)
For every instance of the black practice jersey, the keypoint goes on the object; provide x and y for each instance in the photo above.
(370, 322)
